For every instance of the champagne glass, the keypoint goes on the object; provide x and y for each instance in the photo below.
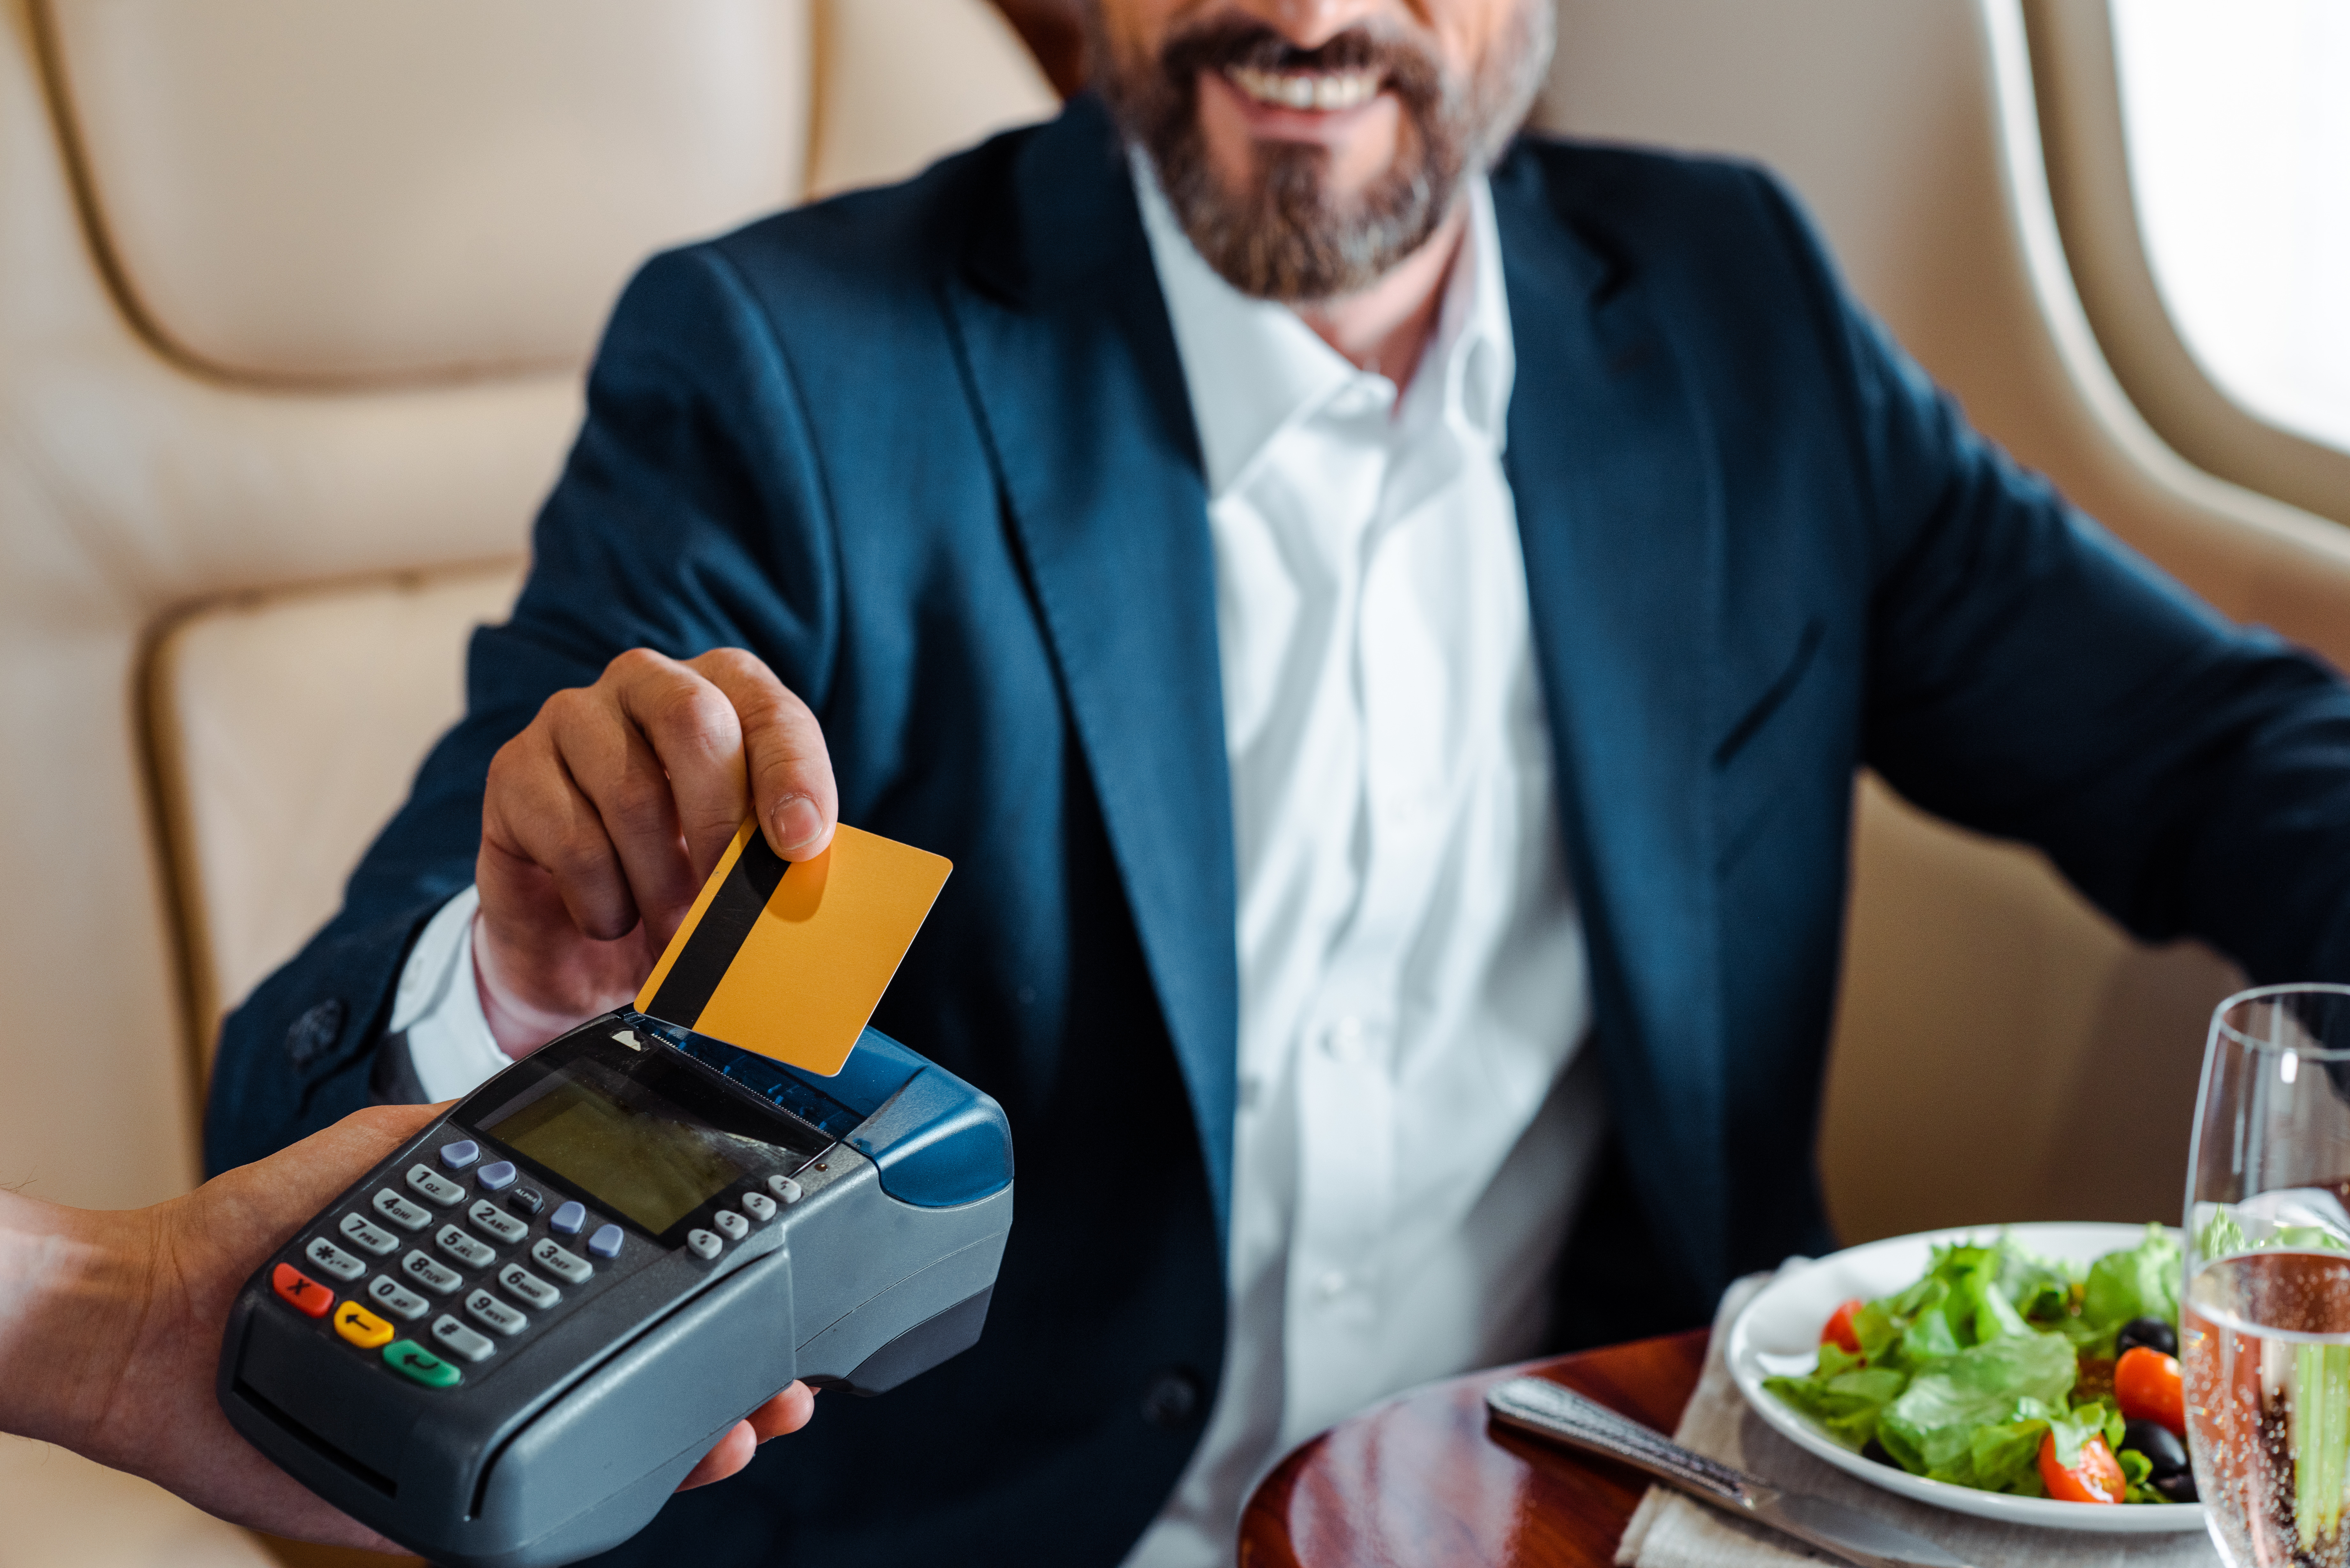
(2264, 1324)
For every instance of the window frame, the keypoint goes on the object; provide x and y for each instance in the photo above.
(2077, 90)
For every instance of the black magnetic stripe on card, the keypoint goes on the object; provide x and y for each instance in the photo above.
(720, 934)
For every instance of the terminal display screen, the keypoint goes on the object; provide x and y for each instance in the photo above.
(625, 1144)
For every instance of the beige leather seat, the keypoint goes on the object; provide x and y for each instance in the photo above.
(294, 303)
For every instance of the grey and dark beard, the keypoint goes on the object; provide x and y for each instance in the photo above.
(1286, 237)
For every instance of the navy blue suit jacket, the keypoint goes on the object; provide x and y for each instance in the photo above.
(927, 452)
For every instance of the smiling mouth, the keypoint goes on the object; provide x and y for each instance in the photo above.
(1312, 91)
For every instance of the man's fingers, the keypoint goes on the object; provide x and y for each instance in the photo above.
(789, 767)
(696, 735)
(534, 814)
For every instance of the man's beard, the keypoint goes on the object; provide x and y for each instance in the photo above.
(1286, 237)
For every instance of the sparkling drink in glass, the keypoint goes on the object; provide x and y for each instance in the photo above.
(2264, 1321)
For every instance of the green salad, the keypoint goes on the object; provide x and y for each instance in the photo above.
(2014, 1374)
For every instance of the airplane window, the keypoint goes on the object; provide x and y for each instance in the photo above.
(2237, 120)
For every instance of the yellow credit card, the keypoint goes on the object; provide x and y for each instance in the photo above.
(790, 958)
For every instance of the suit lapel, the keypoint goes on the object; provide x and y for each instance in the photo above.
(1073, 365)
(1611, 466)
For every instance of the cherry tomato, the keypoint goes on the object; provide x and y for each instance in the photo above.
(2146, 1387)
(1839, 1331)
(2096, 1478)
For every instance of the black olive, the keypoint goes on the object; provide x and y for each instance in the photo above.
(2151, 1332)
(2165, 1454)
(2180, 1487)
(1873, 1450)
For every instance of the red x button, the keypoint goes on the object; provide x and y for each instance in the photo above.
(300, 1291)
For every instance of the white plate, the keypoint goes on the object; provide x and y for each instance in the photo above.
(1779, 1333)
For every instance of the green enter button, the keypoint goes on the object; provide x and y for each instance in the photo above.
(408, 1356)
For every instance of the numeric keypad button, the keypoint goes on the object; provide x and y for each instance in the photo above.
(527, 1287)
(487, 1216)
(433, 1276)
(464, 1248)
(400, 1211)
(460, 1340)
(329, 1258)
(568, 1266)
(488, 1309)
(396, 1299)
(368, 1238)
(423, 1178)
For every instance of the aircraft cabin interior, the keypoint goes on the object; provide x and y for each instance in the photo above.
(297, 304)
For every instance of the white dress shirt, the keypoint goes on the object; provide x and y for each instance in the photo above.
(1410, 1145)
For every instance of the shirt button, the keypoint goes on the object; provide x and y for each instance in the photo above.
(1332, 1285)
(1173, 1398)
(1348, 1041)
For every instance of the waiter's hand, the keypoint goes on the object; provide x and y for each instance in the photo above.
(605, 816)
(110, 1327)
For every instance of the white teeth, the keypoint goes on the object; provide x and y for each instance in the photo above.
(1307, 90)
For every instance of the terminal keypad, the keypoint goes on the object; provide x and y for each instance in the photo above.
(488, 1298)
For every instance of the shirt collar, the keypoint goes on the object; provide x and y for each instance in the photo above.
(1253, 368)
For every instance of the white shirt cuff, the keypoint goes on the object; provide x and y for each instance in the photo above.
(438, 1003)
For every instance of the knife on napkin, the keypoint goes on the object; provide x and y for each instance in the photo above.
(1546, 1410)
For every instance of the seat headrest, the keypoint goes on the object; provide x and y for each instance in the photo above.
(383, 191)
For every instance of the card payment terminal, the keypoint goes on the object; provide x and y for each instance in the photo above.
(508, 1345)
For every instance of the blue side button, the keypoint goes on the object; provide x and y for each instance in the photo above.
(459, 1155)
(937, 1141)
(497, 1177)
(569, 1218)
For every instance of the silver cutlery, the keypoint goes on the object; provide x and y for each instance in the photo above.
(1546, 1410)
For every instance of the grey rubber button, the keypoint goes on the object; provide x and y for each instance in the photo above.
(497, 1221)
(433, 1276)
(400, 1211)
(786, 1191)
(495, 1312)
(758, 1206)
(465, 1248)
(464, 1341)
(704, 1244)
(423, 1178)
(388, 1294)
(333, 1260)
(366, 1236)
(521, 1283)
(565, 1265)
(733, 1224)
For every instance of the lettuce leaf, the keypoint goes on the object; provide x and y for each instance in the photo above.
(2141, 1282)
(1976, 1417)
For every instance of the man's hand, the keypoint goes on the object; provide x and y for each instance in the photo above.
(605, 816)
(110, 1329)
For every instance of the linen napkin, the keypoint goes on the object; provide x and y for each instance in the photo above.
(1671, 1530)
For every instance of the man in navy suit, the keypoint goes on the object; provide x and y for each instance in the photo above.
(1385, 618)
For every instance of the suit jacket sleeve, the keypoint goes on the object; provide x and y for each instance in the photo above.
(2031, 677)
(690, 516)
